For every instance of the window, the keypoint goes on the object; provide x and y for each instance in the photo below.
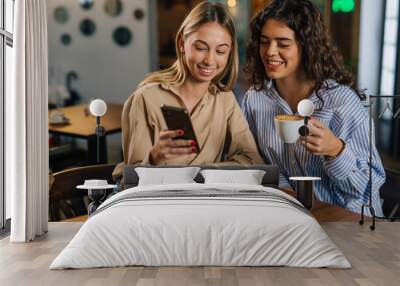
(386, 116)
(6, 44)
(389, 55)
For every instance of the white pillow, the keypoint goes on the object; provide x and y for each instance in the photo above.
(165, 176)
(248, 177)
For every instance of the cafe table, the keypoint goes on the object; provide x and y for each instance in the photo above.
(81, 124)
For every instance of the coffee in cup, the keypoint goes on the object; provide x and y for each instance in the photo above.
(287, 126)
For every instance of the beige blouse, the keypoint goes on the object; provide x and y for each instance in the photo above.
(217, 121)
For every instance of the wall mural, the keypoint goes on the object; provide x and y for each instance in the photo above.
(61, 15)
(87, 27)
(66, 39)
(138, 14)
(122, 36)
(86, 4)
(113, 7)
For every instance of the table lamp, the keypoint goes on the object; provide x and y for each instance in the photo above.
(98, 108)
(305, 185)
(305, 108)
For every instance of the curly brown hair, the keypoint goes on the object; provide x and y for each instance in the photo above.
(320, 59)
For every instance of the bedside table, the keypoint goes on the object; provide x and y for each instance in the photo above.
(97, 192)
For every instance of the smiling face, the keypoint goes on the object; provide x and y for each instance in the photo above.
(206, 51)
(279, 51)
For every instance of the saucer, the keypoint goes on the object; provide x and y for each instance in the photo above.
(305, 178)
(95, 185)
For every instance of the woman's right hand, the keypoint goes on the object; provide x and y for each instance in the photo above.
(168, 147)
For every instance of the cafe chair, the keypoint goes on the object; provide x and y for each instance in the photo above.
(390, 193)
(65, 201)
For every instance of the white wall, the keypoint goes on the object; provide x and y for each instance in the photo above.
(371, 26)
(105, 69)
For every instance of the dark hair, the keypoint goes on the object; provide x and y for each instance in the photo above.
(319, 58)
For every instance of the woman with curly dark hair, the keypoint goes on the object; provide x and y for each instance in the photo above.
(291, 58)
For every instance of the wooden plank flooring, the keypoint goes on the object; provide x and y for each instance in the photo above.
(374, 255)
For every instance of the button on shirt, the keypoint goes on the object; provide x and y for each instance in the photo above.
(217, 121)
(344, 180)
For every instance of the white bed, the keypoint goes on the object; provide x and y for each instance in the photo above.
(201, 224)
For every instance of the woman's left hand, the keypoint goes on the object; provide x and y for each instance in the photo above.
(321, 140)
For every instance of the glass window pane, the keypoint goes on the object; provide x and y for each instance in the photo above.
(389, 57)
(8, 89)
(391, 31)
(2, 204)
(387, 82)
(1, 15)
(9, 15)
(392, 8)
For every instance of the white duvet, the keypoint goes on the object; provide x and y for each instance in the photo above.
(208, 230)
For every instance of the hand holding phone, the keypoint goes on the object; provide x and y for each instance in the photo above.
(169, 147)
(177, 118)
(178, 140)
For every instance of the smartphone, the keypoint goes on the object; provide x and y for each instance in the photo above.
(178, 118)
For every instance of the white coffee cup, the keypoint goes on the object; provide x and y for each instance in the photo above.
(288, 126)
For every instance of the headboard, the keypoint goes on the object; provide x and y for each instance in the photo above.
(270, 179)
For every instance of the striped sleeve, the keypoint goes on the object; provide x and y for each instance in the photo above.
(350, 170)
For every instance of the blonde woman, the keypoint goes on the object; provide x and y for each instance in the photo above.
(200, 81)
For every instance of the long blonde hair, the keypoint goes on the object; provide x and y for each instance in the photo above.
(203, 13)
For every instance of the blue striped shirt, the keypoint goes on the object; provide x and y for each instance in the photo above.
(344, 180)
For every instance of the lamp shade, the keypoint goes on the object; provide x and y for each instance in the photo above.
(305, 107)
(98, 107)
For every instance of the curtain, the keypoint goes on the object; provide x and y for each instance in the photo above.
(27, 123)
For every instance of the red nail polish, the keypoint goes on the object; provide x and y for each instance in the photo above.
(194, 149)
(193, 143)
(180, 132)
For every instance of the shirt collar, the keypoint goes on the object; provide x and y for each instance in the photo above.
(269, 85)
(169, 87)
(212, 89)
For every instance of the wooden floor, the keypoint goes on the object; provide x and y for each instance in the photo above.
(374, 255)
